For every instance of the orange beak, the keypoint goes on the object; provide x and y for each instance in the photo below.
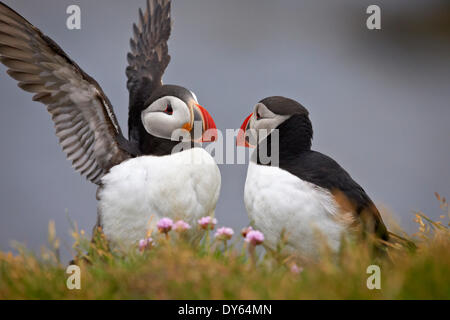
(240, 140)
(209, 126)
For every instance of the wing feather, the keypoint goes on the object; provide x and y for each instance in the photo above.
(149, 56)
(85, 123)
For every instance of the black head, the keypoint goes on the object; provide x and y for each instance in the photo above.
(284, 106)
(172, 113)
(167, 90)
(289, 117)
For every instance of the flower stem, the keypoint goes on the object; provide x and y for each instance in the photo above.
(252, 252)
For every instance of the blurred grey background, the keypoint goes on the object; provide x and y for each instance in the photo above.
(379, 100)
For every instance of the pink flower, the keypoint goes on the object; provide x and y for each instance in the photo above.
(254, 237)
(181, 226)
(207, 222)
(224, 233)
(245, 231)
(144, 243)
(295, 269)
(165, 225)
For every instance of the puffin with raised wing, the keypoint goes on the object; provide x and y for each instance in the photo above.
(153, 174)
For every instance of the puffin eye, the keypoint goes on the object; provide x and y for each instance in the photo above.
(169, 109)
(258, 116)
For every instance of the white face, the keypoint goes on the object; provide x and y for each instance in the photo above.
(264, 121)
(166, 115)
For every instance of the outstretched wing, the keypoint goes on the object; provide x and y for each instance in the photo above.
(148, 58)
(84, 119)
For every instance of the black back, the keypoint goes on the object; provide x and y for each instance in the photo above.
(296, 157)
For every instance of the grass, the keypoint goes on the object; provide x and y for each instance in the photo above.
(174, 269)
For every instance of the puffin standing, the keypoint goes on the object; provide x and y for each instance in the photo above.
(308, 196)
(153, 174)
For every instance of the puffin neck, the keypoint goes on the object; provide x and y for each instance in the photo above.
(295, 137)
(150, 145)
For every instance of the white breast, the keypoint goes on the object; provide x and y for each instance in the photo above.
(140, 191)
(276, 200)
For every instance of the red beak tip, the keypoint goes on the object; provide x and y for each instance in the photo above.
(210, 130)
(240, 139)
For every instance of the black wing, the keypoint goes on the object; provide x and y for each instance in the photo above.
(84, 119)
(148, 58)
(324, 172)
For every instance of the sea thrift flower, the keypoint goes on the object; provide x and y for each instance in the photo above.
(165, 225)
(254, 237)
(144, 243)
(181, 226)
(207, 222)
(295, 269)
(245, 231)
(224, 233)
